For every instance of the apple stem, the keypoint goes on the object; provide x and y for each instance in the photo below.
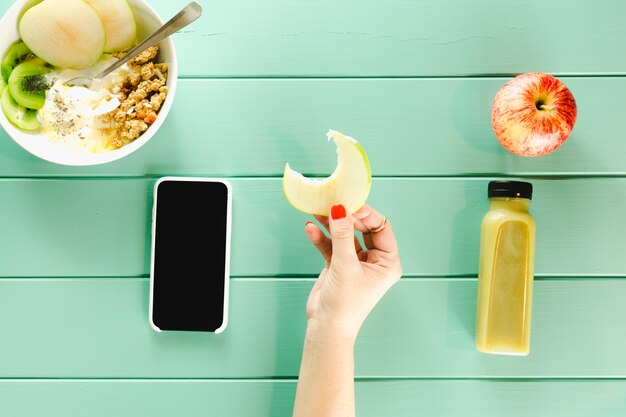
(546, 107)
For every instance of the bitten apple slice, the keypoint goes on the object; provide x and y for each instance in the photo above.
(119, 23)
(65, 33)
(349, 185)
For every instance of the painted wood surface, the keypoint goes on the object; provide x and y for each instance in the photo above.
(100, 227)
(424, 127)
(242, 38)
(261, 83)
(98, 328)
(201, 398)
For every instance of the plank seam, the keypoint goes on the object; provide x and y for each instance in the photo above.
(283, 77)
(426, 278)
(295, 379)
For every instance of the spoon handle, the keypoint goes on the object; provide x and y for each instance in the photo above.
(187, 15)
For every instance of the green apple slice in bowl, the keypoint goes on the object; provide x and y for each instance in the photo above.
(118, 19)
(348, 185)
(64, 33)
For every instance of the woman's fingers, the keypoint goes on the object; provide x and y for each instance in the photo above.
(323, 220)
(320, 241)
(367, 240)
(382, 237)
(358, 225)
(342, 236)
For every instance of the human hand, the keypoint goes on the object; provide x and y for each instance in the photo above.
(354, 278)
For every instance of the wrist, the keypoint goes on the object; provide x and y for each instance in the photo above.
(330, 333)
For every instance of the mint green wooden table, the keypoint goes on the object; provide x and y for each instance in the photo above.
(261, 83)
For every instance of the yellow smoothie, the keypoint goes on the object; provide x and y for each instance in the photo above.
(505, 277)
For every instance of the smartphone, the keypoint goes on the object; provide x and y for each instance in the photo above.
(190, 261)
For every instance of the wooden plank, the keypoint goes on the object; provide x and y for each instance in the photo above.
(98, 328)
(100, 227)
(246, 38)
(201, 398)
(408, 127)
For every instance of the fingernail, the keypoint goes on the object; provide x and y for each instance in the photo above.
(338, 212)
(308, 223)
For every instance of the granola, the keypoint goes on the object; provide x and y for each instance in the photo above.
(141, 93)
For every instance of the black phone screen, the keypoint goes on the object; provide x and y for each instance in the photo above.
(190, 256)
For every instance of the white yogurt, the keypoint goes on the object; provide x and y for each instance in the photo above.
(69, 115)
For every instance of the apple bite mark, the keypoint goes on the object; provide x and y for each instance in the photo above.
(348, 185)
(533, 114)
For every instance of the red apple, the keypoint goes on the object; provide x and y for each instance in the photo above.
(533, 114)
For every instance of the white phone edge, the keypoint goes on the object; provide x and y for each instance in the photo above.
(229, 201)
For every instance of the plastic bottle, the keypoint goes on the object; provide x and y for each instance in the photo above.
(506, 268)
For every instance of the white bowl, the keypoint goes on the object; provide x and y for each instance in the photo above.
(38, 144)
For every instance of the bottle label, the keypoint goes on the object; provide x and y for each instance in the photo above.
(509, 287)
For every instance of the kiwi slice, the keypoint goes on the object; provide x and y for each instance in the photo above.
(3, 85)
(21, 117)
(17, 53)
(28, 84)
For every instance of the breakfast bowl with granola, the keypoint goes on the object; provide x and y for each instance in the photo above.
(45, 43)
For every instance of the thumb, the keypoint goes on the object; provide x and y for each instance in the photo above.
(342, 234)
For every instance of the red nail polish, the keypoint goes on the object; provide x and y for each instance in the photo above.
(338, 212)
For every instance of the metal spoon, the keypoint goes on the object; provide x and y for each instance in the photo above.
(187, 15)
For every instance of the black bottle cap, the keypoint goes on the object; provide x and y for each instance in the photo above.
(511, 189)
